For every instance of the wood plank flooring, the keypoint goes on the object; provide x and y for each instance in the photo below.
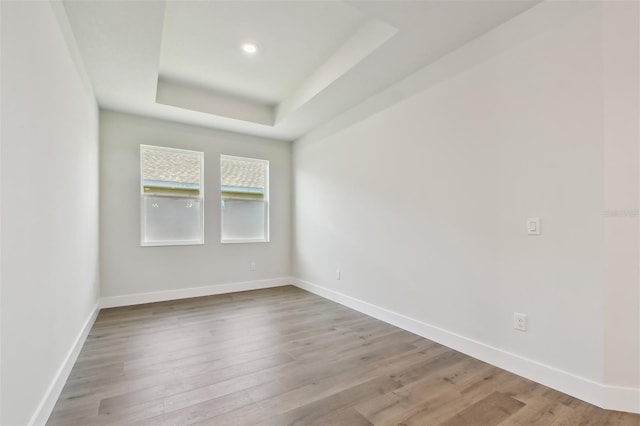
(283, 356)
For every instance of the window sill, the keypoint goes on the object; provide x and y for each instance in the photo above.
(171, 243)
(244, 241)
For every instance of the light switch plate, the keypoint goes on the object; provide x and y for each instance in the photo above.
(533, 226)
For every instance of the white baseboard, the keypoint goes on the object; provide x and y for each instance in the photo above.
(622, 399)
(185, 293)
(609, 397)
(52, 394)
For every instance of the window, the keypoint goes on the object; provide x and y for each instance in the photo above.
(244, 193)
(171, 196)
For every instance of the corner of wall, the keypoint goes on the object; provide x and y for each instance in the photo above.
(608, 397)
(57, 6)
(48, 402)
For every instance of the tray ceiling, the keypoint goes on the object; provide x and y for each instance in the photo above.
(181, 60)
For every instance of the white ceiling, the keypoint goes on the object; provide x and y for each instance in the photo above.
(180, 60)
(200, 43)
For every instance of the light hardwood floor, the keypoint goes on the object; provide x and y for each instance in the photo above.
(283, 356)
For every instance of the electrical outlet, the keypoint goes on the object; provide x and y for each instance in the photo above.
(252, 266)
(519, 321)
(338, 275)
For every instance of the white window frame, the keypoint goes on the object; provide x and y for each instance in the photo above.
(200, 241)
(265, 200)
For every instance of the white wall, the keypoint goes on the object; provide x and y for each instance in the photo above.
(621, 59)
(128, 268)
(422, 205)
(49, 187)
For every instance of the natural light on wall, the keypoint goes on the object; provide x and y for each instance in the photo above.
(244, 192)
(171, 196)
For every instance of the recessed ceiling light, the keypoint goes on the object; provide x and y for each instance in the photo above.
(249, 48)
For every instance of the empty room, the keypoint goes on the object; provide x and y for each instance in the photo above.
(320, 212)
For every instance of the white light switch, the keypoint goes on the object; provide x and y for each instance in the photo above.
(533, 226)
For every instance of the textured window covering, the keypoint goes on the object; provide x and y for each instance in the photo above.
(243, 188)
(172, 196)
(242, 177)
(168, 166)
(170, 173)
